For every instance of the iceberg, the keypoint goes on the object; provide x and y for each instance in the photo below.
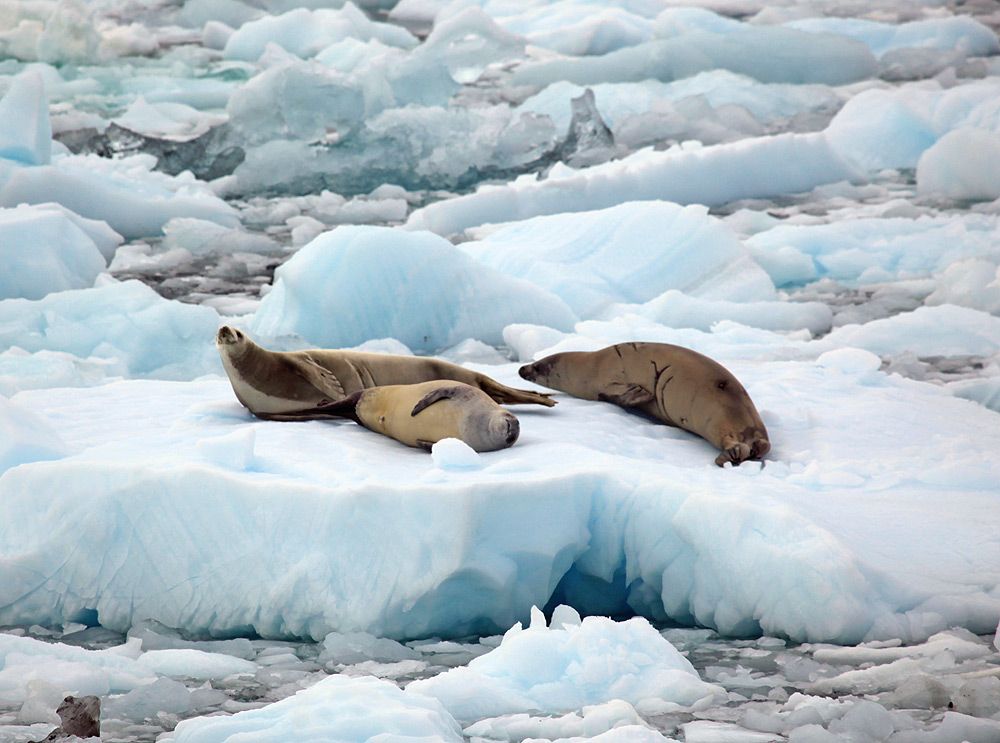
(353, 284)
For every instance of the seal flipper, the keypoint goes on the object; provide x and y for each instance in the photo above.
(441, 393)
(629, 395)
(344, 408)
(425, 444)
(505, 395)
(320, 377)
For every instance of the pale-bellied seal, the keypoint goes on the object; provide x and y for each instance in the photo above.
(673, 384)
(273, 384)
(423, 414)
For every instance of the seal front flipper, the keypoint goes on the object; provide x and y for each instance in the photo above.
(626, 394)
(425, 444)
(441, 393)
(319, 377)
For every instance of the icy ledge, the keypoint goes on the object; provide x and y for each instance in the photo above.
(180, 507)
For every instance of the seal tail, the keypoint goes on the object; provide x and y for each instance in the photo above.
(505, 395)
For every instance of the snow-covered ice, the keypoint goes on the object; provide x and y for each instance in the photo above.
(806, 192)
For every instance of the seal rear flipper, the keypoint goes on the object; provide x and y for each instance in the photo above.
(343, 408)
(320, 377)
(505, 395)
(627, 395)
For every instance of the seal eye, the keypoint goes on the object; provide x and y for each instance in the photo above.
(722, 384)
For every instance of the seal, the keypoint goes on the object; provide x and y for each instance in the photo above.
(675, 385)
(274, 384)
(422, 414)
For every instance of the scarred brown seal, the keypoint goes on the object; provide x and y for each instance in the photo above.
(673, 384)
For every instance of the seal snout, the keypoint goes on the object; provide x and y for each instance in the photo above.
(528, 372)
(228, 335)
(513, 430)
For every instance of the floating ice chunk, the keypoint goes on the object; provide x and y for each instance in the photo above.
(681, 21)
(26, 733)
(627, 253)
(25, 127)
(390, 77)
(418, 147)
(954, 728)
(469, 40)
(945, 330)
(922, 691)
(529, 341)
(620, 102)
(678, 310)
(750, 50)
(973, 282)
(126, 321)
(134, 201)
(197, 92)
(233, 13)
(879, 129)
(455, 454)
(963, 33)
(707, 731)
(985, 391)
(174, 121)
(707, 175)
(892, 128)
(590, 722)
(581, 28)
(359, 283)
(305, 32)
(558, 669)
(41, 703)
(194, 664)
(26, 438)
(105, 238)
(898, 247)
(963, 165)
(44, 251)
(864, 718)
(850, 360)
(56, 32)
(348, 648)
(336, 708)
(156, 637)
(962, 648)
(473, 351)
(295, 100)
(233, 450)
(883, 677)
(979, 697)
(73, 670)
(163, 696)
(20, 370)
(201, 237)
